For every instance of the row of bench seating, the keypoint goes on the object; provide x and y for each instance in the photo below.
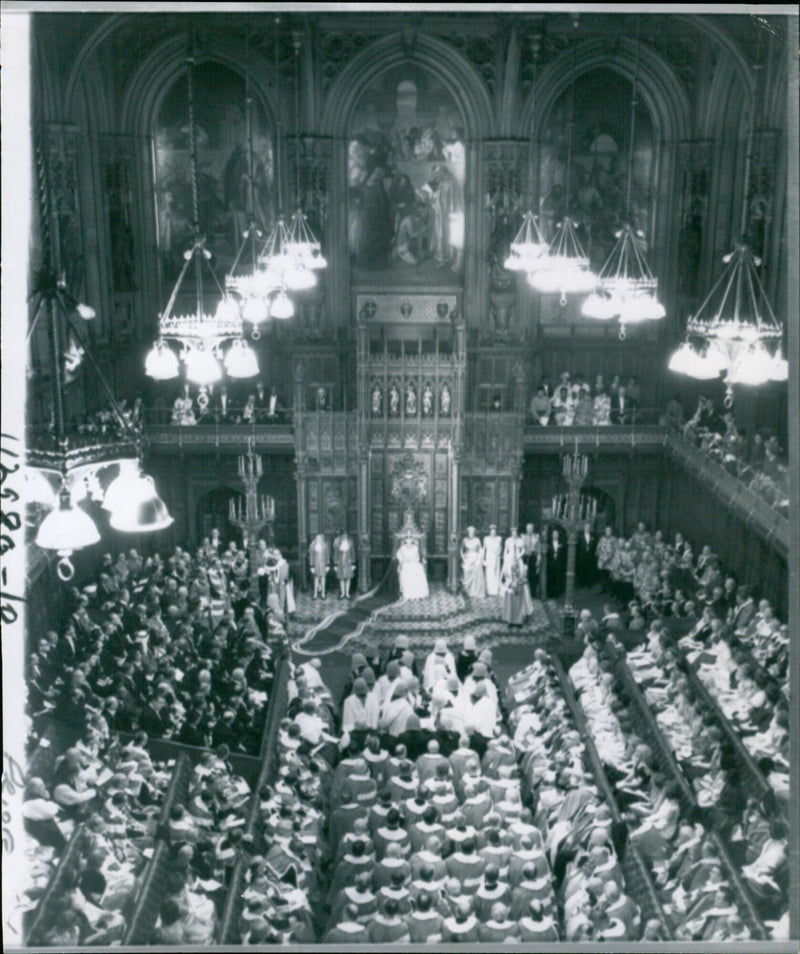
(637, 878)
(628, 689)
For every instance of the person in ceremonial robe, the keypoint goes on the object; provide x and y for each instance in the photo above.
(411, 572)
(492, 544)
(319, 561)
(586, 558)
(531, 543)
(556, 565)
(473, 577)
(344, 562)
(517, 602)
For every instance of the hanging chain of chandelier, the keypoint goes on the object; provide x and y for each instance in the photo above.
(625, 289)
(258, 286)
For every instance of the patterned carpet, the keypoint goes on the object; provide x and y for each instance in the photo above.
(441, 615)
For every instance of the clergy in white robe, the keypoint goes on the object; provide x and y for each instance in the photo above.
(361, 710)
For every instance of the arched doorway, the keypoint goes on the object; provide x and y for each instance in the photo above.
(212, 511)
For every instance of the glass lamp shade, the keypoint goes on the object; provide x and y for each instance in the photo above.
(202, 367)
(240, 361)
(282, 306)
(255, 310)
(752, 366)
(688, 361)
(779, 370)
(638, 307)
(120, 487)
(564, 277)
(66, 529)
(227, 309)
(161, 363)
(299, 277)
(39, 490)
(85, 311)
(142, 511)
(601, 306)
(684, 360)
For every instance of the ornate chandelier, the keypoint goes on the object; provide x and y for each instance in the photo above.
(200, 334)
(564, 268)
(627, 286)
(60, 480)
(735, 332)
(291, 255)
(528, 247)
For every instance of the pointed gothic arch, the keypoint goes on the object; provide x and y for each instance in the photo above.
(439, 58)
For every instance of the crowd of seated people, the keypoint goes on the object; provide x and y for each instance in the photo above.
(405, 813)
(115, 791)
(696, 600)
(668, 581)
(580, 403)
(169, 647)
(695, 894)
(205, 837)
(758, 461)
(695, 619)
(108, 424)
(583, 842)
(217, 404)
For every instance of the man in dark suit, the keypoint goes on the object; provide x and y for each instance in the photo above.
(556, 565)
(586, 558)
(623, 406)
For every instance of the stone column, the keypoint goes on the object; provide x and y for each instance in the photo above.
(364, 549)
(452, 520)
(569, 597)
(301, 474)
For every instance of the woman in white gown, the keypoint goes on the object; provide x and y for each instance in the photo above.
(413, 582)
(492, 550)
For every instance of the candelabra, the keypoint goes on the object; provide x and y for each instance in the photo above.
(573, 510)
(258, 512)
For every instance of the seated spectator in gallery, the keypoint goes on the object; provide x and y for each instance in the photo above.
(541, 407)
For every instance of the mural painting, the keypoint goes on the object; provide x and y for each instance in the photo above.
(598, 175)
(221, 131)
(406, 173)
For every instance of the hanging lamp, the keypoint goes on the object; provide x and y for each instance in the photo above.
(627, 287)
(249, 285)
(277, 269)
(200, 334)
(303, 244)
(735, 331)
(527, 250)
(564, 268)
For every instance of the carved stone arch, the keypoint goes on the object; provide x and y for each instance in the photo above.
(659, 87)
(442, 60)
(90, 108)
(721, 36)
(44, 86)
(157, 73)
(728, 103)
(106, 29)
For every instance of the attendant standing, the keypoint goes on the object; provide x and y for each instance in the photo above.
(556, 565)
(492, 544)
(344, 563)
(586, 558)
(473, 578)
(319, 559)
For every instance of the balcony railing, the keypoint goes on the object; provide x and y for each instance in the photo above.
(772, 523)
